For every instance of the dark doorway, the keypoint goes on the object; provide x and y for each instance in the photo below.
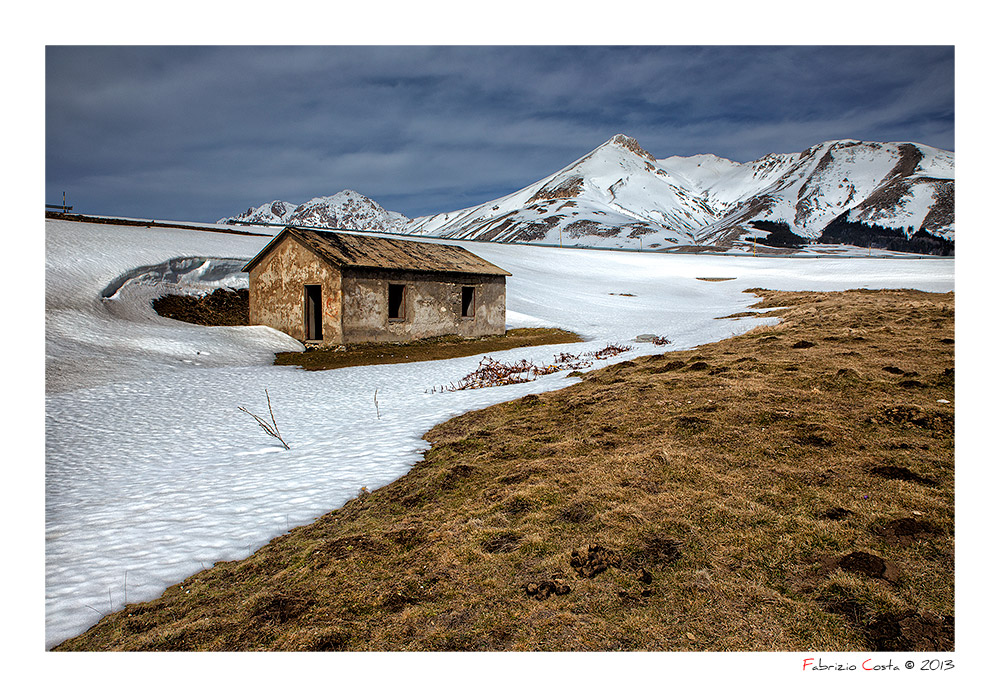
(396, 301)
(314, 313)
(468, 301)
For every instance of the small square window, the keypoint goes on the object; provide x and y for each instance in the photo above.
(468, 301)
(396, 293)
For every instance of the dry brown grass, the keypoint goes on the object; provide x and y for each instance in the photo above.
(435, 348)
(788, 489)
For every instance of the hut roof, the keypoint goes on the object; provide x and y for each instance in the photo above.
(367, 251)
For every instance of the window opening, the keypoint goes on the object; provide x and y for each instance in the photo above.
(396, 301)
(314, 313)
(468, 301)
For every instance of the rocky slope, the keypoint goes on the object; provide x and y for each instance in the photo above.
(885, 195)
(621, 196)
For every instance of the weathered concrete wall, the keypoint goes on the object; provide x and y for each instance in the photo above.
(432, 305)
(277, 291)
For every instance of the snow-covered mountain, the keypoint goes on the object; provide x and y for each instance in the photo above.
(347, 210)
(886, 195)
(842, 191)
(616, 193)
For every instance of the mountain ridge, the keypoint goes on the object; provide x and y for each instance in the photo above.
(346, 209)
(620, 195)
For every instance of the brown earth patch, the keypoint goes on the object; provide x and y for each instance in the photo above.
(869, 565)
(912, 631)
(905, 530)
(221, 308)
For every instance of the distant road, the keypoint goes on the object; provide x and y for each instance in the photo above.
(135, 222)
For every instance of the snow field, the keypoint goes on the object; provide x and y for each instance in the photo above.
(152, 472)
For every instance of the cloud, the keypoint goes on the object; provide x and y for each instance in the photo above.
(205, 131)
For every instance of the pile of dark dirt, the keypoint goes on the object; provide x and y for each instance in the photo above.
(869, 565)
(906, 530)
(912, 631)
(221, 308)
(593, 560)
(543, 589)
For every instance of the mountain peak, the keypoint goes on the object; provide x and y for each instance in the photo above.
(630, 143)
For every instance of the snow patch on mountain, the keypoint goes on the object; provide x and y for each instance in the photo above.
(346, 210)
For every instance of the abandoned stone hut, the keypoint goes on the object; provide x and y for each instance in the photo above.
(329, 288)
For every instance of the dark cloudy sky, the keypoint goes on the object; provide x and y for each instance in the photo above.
(198, 133)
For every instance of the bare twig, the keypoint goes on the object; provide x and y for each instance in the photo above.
(271, 410)
(376, 405)
(270, 429)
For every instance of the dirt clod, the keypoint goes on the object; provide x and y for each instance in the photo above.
(905, 530)
(592, 561)
(912, 631)
(869, 565)
(541, 590)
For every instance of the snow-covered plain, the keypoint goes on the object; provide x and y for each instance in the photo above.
(152, 472)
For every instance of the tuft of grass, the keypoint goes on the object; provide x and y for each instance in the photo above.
(740, 507)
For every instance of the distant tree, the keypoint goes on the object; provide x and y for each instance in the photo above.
(780, 235)
(840, 230)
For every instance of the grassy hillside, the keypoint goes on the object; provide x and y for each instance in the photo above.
(788, 489)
